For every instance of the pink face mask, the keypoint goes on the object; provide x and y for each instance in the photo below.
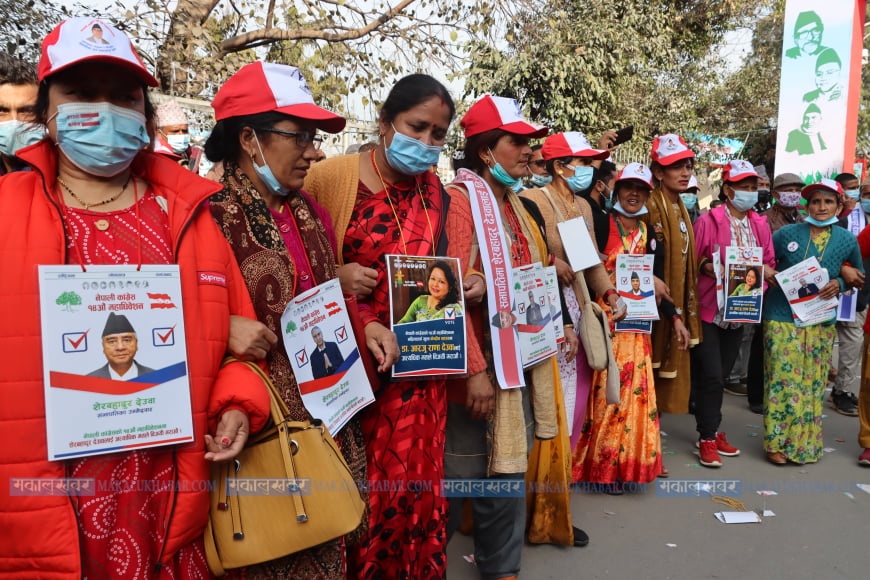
(790, 198)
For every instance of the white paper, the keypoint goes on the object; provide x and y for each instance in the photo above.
(336, 390)
(537, 338)
(738, 517)
(863, 487)
(578, 244)
(801, 284)
(87, 410)
(717, 272)
(768, 513)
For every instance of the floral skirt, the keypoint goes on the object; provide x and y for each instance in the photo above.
(795, 374)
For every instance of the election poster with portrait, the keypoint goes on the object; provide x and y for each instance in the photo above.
(534, 317)
(744, 280)
(551, 283)
(322, 348)
(114, 359)
(635, 285)
(801, 285)
(427, 313)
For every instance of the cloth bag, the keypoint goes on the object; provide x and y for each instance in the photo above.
(288, 490)
(594, 331)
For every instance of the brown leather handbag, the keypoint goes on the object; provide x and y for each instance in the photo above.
(288, 490)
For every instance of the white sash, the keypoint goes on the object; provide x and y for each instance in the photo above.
(495, 257)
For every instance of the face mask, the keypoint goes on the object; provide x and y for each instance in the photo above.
(179, 143)
(744, 200)
(501, 175)
(763, 196)
(853, 193)
(689, 200)
(100, 138)
(540, 180)
(618, 207)
(821, 224)
(865, 205)
(410, 156)
(518, 186)
(608, 202)
(15, 135)
(265, 173)
(790, 198)
(581, 179)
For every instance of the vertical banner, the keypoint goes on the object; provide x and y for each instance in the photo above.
(820, 87)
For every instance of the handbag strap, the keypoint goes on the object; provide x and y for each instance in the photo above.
(279, 410)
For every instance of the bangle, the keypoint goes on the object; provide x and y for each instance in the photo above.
(568, 325)
(552, 260)
(608, 293)
(676, 317)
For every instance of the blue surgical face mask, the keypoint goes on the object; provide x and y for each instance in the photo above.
(501, 175)
(540, 180)
(100, 138)
(608, 202)
(15, 135)
(618, 207)
(179, 143)
(865, 205)
(265, 173)
(689, 200)
(411, 156)
(744, 200)
(821, 224)
(853, 193)
(581, 179)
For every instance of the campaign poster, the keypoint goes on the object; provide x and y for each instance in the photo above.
(634, 283)
(326, 361)
(534, 317)
(744, 280)
(427, 314)
(551, 283)
(636, 326)
(114, 359)
(801, 285)
(717, 273)
(820, 87)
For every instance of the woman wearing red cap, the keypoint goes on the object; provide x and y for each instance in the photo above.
(266, 140)
(388, 202)
(799, 359)
(622, 443)
(510, 233)
(96, 196)
(672, 165)
(734, 223)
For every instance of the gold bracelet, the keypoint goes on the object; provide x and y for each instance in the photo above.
(568, 325)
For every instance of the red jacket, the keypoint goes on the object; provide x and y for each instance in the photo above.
(40, 532)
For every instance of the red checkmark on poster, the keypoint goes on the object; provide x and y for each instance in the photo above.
(341, 333)
(77, 342)
(301, 357)
(164, 337)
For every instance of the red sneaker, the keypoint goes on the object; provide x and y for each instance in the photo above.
(709, 454)
(864, 458)
(724, 447)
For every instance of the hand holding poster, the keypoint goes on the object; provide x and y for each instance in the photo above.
(534, 324)
(114, 359)
(744, 282)
(427, 315)
(323, 352)
(801, 284)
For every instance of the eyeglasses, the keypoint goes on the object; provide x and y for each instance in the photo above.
(303, 138)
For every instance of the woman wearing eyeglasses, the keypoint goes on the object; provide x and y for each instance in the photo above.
(282, 240)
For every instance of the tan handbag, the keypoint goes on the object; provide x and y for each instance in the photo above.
(594, 328)
(288, 490)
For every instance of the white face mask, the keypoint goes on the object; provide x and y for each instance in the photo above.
(15, 135)
(179, 143)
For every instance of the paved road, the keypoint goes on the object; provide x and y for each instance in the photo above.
(818, 531)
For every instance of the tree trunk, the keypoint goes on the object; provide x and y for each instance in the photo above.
(188, 16)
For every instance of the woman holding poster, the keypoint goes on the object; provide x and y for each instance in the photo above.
(622, 443)
(283, 239)
(95, 196)
(733, 224)
(796, 369)
(388, 202)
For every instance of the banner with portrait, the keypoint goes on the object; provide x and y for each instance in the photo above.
(534, 315)
(744, 284)
(820, 87)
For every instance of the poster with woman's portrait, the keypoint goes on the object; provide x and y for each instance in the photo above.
(744, 284)
(427, 314)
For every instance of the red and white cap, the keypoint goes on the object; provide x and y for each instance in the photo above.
(490, 112)
(693, 183)
(636, 172)
(261, 87)
(670, 148)
(737, 170)
(824, 184)
(573, 144)
(87, 39)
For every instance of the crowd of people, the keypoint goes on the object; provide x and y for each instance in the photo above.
(94, 174)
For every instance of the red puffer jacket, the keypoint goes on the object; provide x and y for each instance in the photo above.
(40, 532)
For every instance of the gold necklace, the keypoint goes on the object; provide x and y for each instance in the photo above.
(88, 206)
(396, 215)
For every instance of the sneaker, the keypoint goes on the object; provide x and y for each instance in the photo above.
(756, 408)
(709, 454)
(845, 403)
(864, 458)
(722, 446)
(581, 538)
(738, 389)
